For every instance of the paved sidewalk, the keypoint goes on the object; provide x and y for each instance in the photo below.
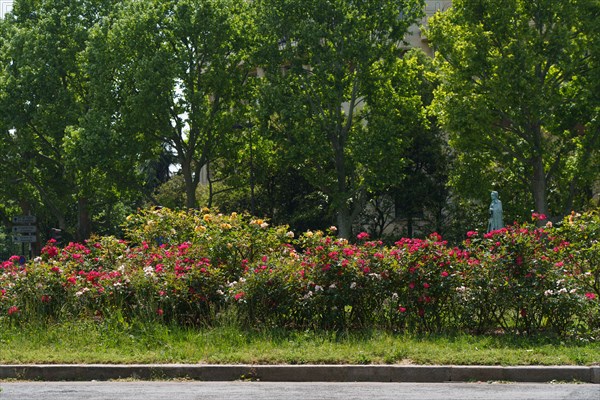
(303, 373)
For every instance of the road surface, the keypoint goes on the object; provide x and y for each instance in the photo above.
(188, 390)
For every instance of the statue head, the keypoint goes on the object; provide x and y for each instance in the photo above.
(494, 195)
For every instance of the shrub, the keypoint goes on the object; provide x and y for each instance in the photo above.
(577, 241)
(516, 281)
(186, 267)
(424, 284)
(226, 240)
(327, 284)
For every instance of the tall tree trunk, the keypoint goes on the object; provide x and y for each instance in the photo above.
(538, 184)
(409, 226)
(190, 186)
(344, 222)
(210, 186)
(84, 222)
(343, 212)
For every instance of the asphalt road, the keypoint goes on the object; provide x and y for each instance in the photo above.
(285, 390)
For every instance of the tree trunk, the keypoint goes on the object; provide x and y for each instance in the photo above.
(190, 186)
(210, 186)
(538, 186)
(344, 223)
(409, 226)
(84, 223)
(343, 213)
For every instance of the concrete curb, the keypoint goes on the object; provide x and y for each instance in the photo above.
(302, 373)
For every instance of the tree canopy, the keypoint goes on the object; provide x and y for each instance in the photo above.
(177, 70)
(302, 111)
(44, 98)
(515, 76)
(319, 58)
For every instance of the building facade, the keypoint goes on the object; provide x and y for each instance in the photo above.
(5, 7)
(415, 37)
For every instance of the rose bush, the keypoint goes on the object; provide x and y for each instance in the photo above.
(577, 241)
(327, 284)
(226, 240)
(516, 279)
(186, 267)
(425, 279)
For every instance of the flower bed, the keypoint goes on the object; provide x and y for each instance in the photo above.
(186, 267)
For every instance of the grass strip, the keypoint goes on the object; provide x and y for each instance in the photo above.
(91, 342)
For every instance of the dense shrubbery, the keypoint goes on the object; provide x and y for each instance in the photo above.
(186, 267)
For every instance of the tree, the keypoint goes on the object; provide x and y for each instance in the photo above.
(402, 148)
(318, 57)
(175, 74)
(260, 179)
(43, 95)
(512, 98)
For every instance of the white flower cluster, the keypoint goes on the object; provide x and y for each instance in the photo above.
(82, 291)
(149, 271)
(234, 283)
(550, 292)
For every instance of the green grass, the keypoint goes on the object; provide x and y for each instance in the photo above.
(90, 342)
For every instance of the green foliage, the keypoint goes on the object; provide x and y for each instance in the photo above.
(174, 74)
(402, 150)
(103, 99)
(171, 194)
(512, 97)
(60, 171)
(280, 192)
(319, 59)
(229, 241)
(189, 267)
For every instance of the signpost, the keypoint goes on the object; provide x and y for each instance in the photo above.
(24, 239)
(24, 219)
(24, 231)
